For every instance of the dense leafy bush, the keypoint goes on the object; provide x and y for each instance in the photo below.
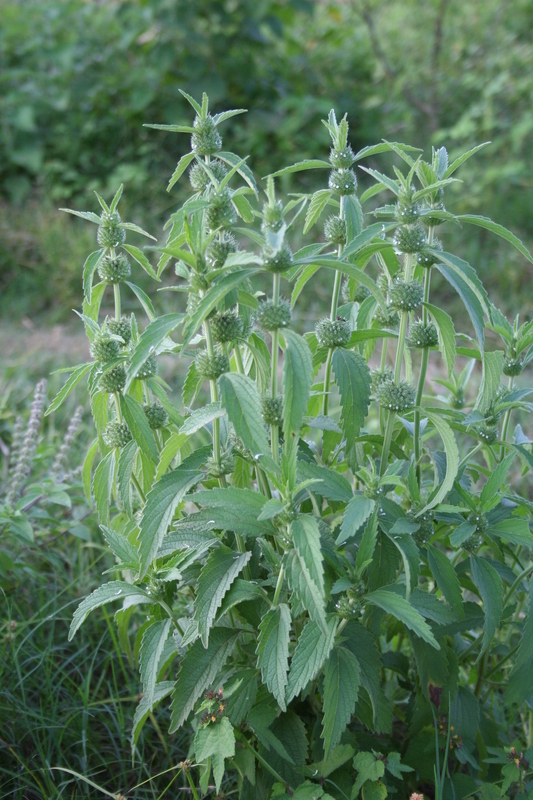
(331, 563)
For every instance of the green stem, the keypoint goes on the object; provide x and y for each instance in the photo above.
(279, 585)
(470, 455)
(333, 316)
(387, 439)
(423, 371)
(506, 420)
(116, 398)
(238, 360)
(214, 394)
(274, 430)
(138, 487)
(116, 288)
(191, 784)
(264, 763)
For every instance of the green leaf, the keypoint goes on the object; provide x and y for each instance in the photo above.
(224, 115)
(446, 579)
(244, 209)
(352, 376)
(367, 547)
(141, 259)
(240, 591)
(143, 299)
(304, 277)
(499, 230)
(149, 341)
(342, 678)
(402, 610)
(465, 281)
(161, 503)
(130, 226)
(297, 378)
(108, 593)
(143, 710)
(329, 483)
(103, 485)
(464, 157)
(152, 644)
(446, 332)
(514, 530)
(243, 170)
(87, 469)
(215, 741)
(301, 166)
(490, 380)
(198, 671)
(356, 514)
(240, 398)
(353, 214)
(495, 480)
(273, 651)
(120, 545)
(312, 649)
(321, 769)
(124, 471)
(89, 268)
(306, 570)
(452, 459)
(140, 429)
(215, 294)
(202, 417)
(490, 588)
(362, 644)
(316, 206)
(89, 215)
(216, 577)
(67, 387)
(183, 163)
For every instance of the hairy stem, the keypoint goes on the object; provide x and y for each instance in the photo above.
(333, 316)
(423, 371)
(279, 585)
(274, 430)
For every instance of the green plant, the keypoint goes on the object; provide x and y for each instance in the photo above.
(320, 578)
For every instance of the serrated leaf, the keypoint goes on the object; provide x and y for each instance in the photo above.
(216, 577)
(89, 215)
(89, 268)
(312, 650)
(306, 568)
(244, 209)
(215, 741)
(368, 543)
(273, 651)
(318, 202)
(329, 483)
(182, 165)
(446, 333)
(149, 341)
(212, 297)
(462, 158)
(131, 226)
(191, 385)
(352, 376)
(141, 259)
(240, 398)
(301, 166)
(108, 593)
(243, 169)
(446, 579)
(198, 670)
(240, 591)
(514, 530)
(342, 678)
(202, 417)
(490, 380)
(490, 588)
(496, 479)
(402, 610)
(87, 469)
(297, 378)
(143, 299)
(124, 471)
(303, 278)
(465, 281)
(139, 426)
(452, 459)
(119, 544)
(152, 644)
(499, 230)
(103, 485)
(143, 710)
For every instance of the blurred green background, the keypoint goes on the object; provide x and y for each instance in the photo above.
(78, 78)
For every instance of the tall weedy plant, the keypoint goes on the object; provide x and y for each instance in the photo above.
(342, 573)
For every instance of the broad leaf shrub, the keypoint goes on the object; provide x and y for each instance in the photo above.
(326, 567)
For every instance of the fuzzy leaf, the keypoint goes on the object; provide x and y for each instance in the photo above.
(182, 165)
(149, 341)
(297, 378)
(141, 259)
(311, 652)
(140, 429)
(490, 588)
(402, 610)
(68, 386)
(353, 379)
(316, 206)
(356, 514)
(342, 678)
(103, 484)
(213, 296)
(301, 166)
(465, 281)
(215, 741)
(452, 459)
(109, 592)
(124, 471)
(120, 545)
(306, 569)
(240, 398)
(273, 651)
(490, 380)
(499, 230)
(216, 577)
(152, 644)
(89, 268)
(446, 579)
(446, 333)
(143, 710)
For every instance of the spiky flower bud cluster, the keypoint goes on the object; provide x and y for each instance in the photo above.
(281, 261)
(272, 216)
(224, 467)
(382, 282)
(396, 397)
(110, 233)
(341, 159)
(120, 327)
(352, 293)
(347, 607)
(512, 364)
(221, 213)
(474, 542)
(156, 415)
(407, 210)
(219, 250)
(427, 219)
(200, 179)
(409, 238)
(206, 140)
(113, 380)
(272, 317)
(422, 536)
(26, 446)
(487, 432)
(148, 369)
(333, 333)
(335, 230)
(104, 348)
(427, 259)
(211, 367)
(114, 269)
(405, 295)
(117, 434)
(342, 182)
(226, 327)
(199, 282)
(57, 470)
(377, 377)
(272, 410)
(422, 336)
(386, 319)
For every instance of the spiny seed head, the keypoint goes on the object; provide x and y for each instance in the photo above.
(148, 369)
(396, 397)
(199, 178)
(407, 211)
(386, 319)
(405, 295)
(272, 410)
(473, 543)
(512, 366)
(156, 415)
(219, 250)
(478, 519)
(346, 607)
(378, 377)
(120, 327)
(198, 282)
(341, 159)
(104, 348)
(427, 259)
(428, 219)
(487, 433)
(110, 233)
(422, 336)
(425, 520)
(114, 380)
(114, 270)
(280, 261)
(206, 140)
(354, 293)
(409, 238)
(333, 333)
(211, 367)
(221, 213)
(224, 467)
(382, 282)
(342, 182)
(226, 327)
(270, 317)
(335, 230)
(272, 216)
(117, 434)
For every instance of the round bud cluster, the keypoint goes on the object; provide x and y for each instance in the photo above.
(473, 543)
(422, 536)
(199, 178)
(459, 400)
(409, 239)
(272, 410)
(270, 317)
(280, 261)
(488, 433)
(341, 159)
(156, 415)
(428, 219)
(422, 336)
(219, 250)
(110, 233)
(427, 259)
(405, 295)
(221, 213)
(372, 489)
(148, 369)
(377, 377)
(386, 319)
(104, 348)
(226, 327)
(206, 140)
(333, 333)
(120, 327)
(407, 211)
(382, 282)
(224, 467)
(114, 270)
(335, 230)
(346, 607)
(342, 182)
(117, 434)
(114, 380)
(479, 520)
(273, 216)
(396, 396)
(354, 293)
(198, 282)
(211, 367)
(512, 365)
